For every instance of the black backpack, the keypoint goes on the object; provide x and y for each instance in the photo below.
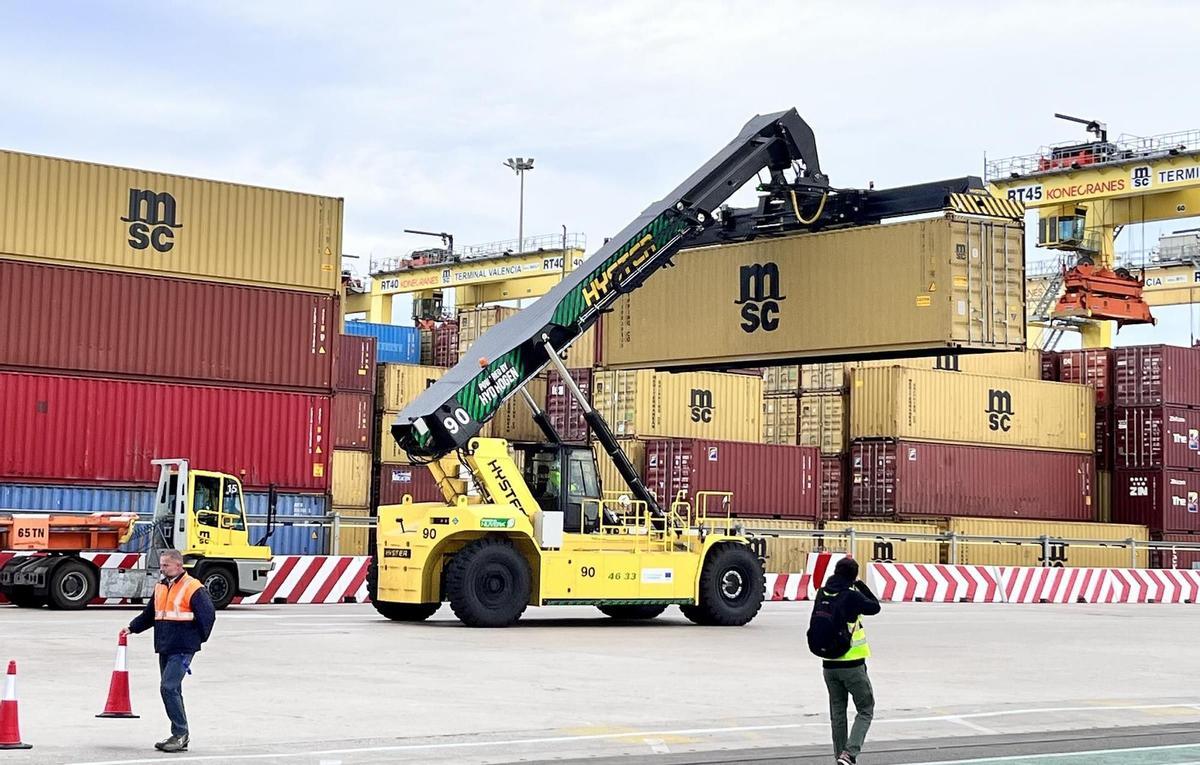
(828, 631)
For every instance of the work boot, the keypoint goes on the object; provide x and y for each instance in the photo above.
(845, 758)
(173, 744)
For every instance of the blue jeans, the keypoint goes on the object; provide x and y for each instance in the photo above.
(172, 667)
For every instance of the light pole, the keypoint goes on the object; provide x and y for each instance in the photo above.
(519, 166)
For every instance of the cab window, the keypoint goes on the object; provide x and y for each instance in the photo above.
(206, 501)
(232, 514)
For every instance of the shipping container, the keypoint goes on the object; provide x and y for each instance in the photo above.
(1163, 499)
(885, 542)
(893, 402)
(426, 339)
(1023, 365)
(1183, 557)
(352, 539)
(399, 384)
(473, 322)
(934, 284)
(582, 353)
(781, 381)
(833, 488)
(690, 405)
(90, 321)
(1152, 375)
(771, 481)
(393, 345)
(87, 429)
(784, 553)
(781, 420)
(1089, 367)
(1104, 495)
(351, 482)
(913, 479)
(1050, 365)
(610, 479)
(1105, 437)
(445, 344)
(353, 420)
(416, 480)
(830, 376)
(823, 422)
(1157, 436)
(355, 365)
(564, 411)
(387, 451)
(514, 420)
(1056, 552)
(79, 213)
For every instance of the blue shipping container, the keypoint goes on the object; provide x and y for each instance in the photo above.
(290, 509)
(395, 345)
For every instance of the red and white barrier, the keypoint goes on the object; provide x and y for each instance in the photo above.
(934, 583)
(314, 579)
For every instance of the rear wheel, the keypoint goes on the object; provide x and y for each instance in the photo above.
(406, 612)
(732, 587)
(488, 583)
(221, 584)
(632, 612)
(73, 584)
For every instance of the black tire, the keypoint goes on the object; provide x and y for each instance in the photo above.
(73, 584)
(24, 597)
(406, 612)
(638, 612)
(488, 583)
(732, 587)
(221, 583)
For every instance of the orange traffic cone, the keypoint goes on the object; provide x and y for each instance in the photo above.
(118, 704)
(10, 731)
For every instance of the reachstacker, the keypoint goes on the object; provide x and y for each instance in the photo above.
(547, 533)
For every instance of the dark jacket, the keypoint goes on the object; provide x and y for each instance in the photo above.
(857, 601)
(178, 637)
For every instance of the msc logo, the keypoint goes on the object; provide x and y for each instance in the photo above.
(151, 220)
(1000, 410)
(701, 405)
(759, 297)
(1139, 177)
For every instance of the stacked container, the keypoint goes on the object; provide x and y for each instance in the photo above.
(151, 315)
(394, 344)
(354, 425)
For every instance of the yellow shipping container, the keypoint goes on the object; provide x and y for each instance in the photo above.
(1025, 365)
(352, 539)
(781, 380)
(513, 420)
(894, 402)
(473, 322)
(829, 376)
(922, 285)
(401, 383)
(1104, 496)
(687, 405)
(79, 213)
(823, 422)
(350, 482)
(1061, 553)
(582, 353)
(781, 420)
(884, 542)
(610, 479)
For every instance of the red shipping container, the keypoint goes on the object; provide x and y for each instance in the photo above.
(1092, 368)
(353, 421)
(129, 325)
(833, 488)
(912, 479)
(1105, 446)
(445, 344)
(766, 480)
(397, 480)
(87, 429)
(355, 365)
(1175, 557)
(1164, 500)
(1157, 436)
(564, 411)
(1151, 375)
(1050, 365)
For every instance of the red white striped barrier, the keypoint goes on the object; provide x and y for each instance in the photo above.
(788, 587)
(314, 579)
(1054, 585)
(934, 583)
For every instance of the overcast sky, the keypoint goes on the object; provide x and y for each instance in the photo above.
(407, 110)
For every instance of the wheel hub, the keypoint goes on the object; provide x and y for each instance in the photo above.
(494, 583)
(74, 586)
(216, 585)
(733, 584)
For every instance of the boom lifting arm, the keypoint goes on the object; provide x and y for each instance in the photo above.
(448, 414)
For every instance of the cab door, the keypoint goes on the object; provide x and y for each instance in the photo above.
(234, 531)
(205, 536)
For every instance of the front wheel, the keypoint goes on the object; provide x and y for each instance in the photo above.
(488, 583)
(633, 612)
(732, 587)
(221, 584)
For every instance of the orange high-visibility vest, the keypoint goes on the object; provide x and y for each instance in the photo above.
(174, 603)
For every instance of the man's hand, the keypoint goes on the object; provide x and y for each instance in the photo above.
(125, 632)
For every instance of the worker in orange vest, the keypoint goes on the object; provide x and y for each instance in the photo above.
(182, 616)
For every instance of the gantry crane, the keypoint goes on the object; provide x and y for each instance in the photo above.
(1085, 193)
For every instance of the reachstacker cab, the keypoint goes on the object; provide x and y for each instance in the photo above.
(198, 512)
(547, 533)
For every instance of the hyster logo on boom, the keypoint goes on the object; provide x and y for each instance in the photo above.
(702, 405)
(1000, 410)
(759, 297)
(152, 220)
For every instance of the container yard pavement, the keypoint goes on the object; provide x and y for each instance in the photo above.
(338, 684)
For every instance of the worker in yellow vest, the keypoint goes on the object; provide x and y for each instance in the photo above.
(182, 616)
(837, 635)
